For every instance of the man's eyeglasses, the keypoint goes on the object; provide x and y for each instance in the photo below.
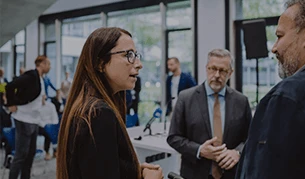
(131, 55)
(221, 71)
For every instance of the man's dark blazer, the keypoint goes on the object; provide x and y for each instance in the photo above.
(186, 81)
(275, 147)
(23, 89)
(190, 127)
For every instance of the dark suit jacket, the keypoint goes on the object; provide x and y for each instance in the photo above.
(190, 127)
(23, 89)
(275, 147)
(108, 156)
(186, 81)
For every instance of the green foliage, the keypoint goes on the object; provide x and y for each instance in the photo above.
(262, 8)
(146, 110)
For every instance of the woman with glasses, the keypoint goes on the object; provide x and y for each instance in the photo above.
(93, 141)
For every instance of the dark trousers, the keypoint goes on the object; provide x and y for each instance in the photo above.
(47, 139)
(226, 175)
(25, 150)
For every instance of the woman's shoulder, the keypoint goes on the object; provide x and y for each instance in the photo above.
(101, 112)
(100, 116)
(99, 105)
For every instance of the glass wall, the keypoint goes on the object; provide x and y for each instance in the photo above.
(180, 35)
(6, 60)
(19, 49)
(74, 34)
(268, 74)
(145, 26)
(50, 52)
(263, 8)
(180, 46)
(12, 56)
(179, 15)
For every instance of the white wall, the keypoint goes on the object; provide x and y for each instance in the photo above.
(211, 31)
(31, 45)
(66, 5)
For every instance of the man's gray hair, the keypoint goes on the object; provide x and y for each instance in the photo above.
(221, 53)
(300, 15)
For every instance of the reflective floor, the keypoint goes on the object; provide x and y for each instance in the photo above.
(41, 169)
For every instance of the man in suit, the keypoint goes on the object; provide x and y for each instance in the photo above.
(176, 82)
(25, 96)
(275, 147)
(210, 123)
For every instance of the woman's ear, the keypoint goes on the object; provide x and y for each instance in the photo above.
(101, 68)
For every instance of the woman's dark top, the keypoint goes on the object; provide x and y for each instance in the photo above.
(108, 158)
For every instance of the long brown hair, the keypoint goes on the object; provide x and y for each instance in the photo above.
(88, 78)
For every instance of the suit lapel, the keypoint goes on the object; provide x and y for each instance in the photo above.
(229, 112)
(202, 103)
(181, 83)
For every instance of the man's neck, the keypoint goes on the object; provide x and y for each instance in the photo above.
(177, 73)
(39, 71)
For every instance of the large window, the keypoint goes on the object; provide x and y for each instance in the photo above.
(145, 26)
(180, 35)
(267, 67)
(19, 50)
(179, 15)
(180, 46)
(267, 70)
(262, 8)
(50, 52)
(6, 60)
(74, 34)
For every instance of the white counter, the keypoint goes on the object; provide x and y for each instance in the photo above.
(155, 144)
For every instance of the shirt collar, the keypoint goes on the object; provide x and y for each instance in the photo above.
(209, 90)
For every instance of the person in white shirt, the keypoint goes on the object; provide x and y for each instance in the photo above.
(25, 100)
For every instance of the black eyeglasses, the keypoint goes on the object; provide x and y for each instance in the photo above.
(221, 71)
(131, 55)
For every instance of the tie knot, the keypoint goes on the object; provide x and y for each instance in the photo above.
(215, 95)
